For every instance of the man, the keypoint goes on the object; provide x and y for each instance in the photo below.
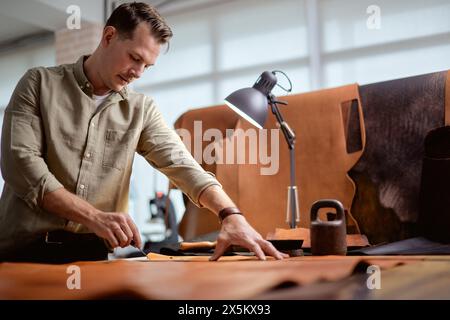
(68, 141)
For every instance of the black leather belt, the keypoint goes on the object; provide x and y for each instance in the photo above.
(61, 247)
(66, 237)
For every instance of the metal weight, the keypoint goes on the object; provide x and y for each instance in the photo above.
(328, 237)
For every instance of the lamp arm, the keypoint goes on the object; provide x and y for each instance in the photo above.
(288, 133)
(290, 139)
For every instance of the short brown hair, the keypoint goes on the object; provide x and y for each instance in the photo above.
(127, 16)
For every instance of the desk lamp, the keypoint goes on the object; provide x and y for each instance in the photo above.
(252, 104)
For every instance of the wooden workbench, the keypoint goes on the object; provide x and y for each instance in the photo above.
(335, 277)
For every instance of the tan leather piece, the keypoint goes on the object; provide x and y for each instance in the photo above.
(197, 221)
(162, 257)
(353, 240)
(447, 99)
(186, 246)
(322, 161)
(177, 280)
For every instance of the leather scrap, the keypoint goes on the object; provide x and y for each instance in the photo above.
(161, 257)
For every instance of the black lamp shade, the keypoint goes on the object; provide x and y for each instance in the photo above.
(250, 104)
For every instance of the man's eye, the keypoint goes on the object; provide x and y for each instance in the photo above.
(134, 59)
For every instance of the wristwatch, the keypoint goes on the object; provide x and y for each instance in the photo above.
(225, 212)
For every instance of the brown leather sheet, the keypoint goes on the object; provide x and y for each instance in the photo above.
(179, 280)
(431, 281)
(320, 120)
(397, 116)
(427, 279)
(322, 159)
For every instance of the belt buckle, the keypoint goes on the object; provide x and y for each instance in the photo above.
(51, 242)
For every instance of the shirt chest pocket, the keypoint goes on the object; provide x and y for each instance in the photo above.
(117, 148)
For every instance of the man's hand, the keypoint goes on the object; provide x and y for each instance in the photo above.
(236, 231)
(117, 228)
(235, 228)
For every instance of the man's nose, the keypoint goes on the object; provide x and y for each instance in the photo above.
(134, 74)
(137, 72)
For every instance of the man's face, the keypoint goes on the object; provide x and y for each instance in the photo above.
(124, 60)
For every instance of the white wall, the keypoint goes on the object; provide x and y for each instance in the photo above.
(13, 64)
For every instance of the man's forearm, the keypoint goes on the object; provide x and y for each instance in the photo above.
(215, 199)
(67, 205)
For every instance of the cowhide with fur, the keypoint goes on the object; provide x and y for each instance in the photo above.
(398, 114)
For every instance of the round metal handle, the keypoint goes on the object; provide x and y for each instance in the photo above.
(327, 203)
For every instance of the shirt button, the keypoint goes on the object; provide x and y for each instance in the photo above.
(88, 155)
(81, 186)
(93, 124)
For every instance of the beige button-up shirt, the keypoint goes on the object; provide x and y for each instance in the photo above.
(53, 136)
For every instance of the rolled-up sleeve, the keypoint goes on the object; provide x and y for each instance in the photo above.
(22, 164)
(163, 149)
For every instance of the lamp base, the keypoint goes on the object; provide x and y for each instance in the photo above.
(292, 210)
(295, 253)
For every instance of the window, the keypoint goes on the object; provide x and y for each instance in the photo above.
(413, 39)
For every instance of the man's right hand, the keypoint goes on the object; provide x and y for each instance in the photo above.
(116, 227)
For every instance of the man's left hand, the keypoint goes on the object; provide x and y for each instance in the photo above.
(237, 231)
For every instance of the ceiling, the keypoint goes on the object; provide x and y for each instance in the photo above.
(11, 28)
(23, 19)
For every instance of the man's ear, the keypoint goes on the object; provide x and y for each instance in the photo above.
(109, 33)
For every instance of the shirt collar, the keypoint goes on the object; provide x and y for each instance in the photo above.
(84, 83)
